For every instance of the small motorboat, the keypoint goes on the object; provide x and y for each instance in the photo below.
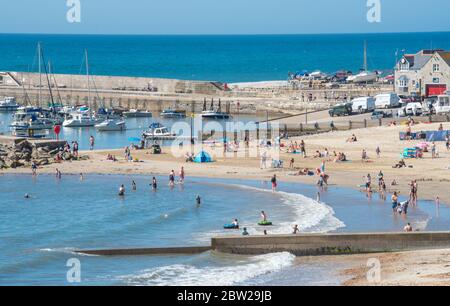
(215, 115)
(170, 114)
(110, 125)
(158, 131)
(134, 113)
(79, 120)
(9, 104)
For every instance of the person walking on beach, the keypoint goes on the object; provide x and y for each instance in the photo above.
(296, 229)
(378, 152)
(433, 150)
(447, 142)
(303, 148)
(274, 183)
(92, 142)
(263, 164)
(122, 191)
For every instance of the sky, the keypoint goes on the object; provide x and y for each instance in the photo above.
(223, 17)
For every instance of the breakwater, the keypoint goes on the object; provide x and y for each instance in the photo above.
(332, 244)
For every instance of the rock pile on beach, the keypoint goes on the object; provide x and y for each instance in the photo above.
(23, 153)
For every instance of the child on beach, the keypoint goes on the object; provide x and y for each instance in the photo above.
(394, 202)
(172, 178)
(296, 229)
(263, 216)
(408, 228)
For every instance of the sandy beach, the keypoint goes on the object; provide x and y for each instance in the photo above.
(433, 175)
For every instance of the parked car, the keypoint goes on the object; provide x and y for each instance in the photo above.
(390, 100)
(411, 109)
(380, 115)
(343, 109)
(363, 105)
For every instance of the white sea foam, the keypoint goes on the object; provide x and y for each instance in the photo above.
(187, 275)
(310, 215)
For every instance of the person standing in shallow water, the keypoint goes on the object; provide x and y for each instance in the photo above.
(92, 142)
(274, 183)
(172, 178)
(154, 184)
(122, 191)
(133, 185)
(182, 174)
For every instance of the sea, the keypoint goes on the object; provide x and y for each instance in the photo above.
(226, 58)
(38, 235)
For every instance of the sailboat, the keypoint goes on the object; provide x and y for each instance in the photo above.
(364, 76)
(82, 118)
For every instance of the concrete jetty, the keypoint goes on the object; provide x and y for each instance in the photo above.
(147, 251)
(332, 244)
(301, 245)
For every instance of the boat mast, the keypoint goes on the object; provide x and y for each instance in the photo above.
(365, 55)
(40, 74)
(87, 74)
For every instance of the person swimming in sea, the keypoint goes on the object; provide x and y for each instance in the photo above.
(133, 185)
(235, 223)
(198, 200)
(244, 232)
(26, 196)
(122, 191)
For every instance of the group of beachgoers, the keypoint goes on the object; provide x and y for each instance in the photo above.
(264, 220)
(154, 183)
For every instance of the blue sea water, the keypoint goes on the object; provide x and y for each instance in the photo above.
(117, 139)
(38, 235)
(219, 58)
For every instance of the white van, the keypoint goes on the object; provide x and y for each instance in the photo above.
(363, 105)
(411, 109)
(442, 105)
(389, 100)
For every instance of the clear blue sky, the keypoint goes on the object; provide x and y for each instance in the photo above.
(222, 17)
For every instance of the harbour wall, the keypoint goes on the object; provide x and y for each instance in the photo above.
(156, 94)
(331, 244)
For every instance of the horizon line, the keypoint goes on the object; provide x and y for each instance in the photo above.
(223, 34)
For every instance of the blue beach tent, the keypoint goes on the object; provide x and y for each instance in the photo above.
(203, 157)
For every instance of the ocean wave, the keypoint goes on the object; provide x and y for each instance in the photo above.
(188, 275)
(310, 215)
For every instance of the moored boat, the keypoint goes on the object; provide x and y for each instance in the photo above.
(8, 104)
(110, 125)
(134, 113)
